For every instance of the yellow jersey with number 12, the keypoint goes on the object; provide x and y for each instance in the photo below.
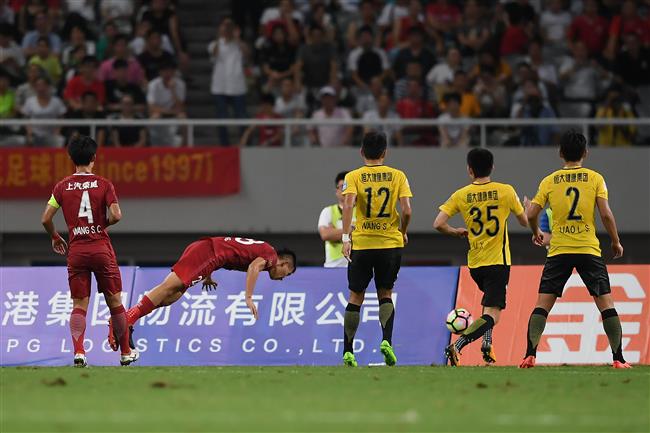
(485, 208)
(378, 188)
(571, 194)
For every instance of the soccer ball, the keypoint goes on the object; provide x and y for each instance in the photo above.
(458, 320)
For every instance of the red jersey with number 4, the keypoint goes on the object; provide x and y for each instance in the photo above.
(236, 254)
(84, 199)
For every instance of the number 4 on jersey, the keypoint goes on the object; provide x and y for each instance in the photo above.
(85, 210)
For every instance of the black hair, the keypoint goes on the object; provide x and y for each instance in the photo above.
(267, 98)
(316, 27)
(120, 64)
(573, 146)
(287, 253)
(120, 37)
(480, 161)
(452, 96)
(43, 39)
(339, 177)
(89, 60)
(152, 32)
(374, 145)
(82, 150)
(167, 64)
(366, 29)
(87, 94)
(459, 72)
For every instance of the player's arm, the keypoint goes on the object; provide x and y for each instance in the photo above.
(532, 213)
(114, 214)
(607, 217)
(405, 205)
(441, 224)
(348, 207)
(252, 273)
(330, 233)
(521, 217)
(58, 243)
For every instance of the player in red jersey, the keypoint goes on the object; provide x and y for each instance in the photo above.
(84, 199)
(203, 257)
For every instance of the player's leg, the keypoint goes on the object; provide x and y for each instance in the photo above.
(79, 282)
(359, 276)
(164, 294)
(386, 266)
(557, 271)
(120, 328)
(594, 274)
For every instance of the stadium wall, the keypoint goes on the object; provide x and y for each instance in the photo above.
(284, 190)
(301, 319)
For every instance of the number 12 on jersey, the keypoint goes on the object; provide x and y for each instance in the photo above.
(381, 192)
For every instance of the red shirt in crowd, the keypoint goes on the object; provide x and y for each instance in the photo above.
(590, 30)
(77, 87)
(445, 13)
(620, 27)
(514, 41)
(409, 108)
(267, 132)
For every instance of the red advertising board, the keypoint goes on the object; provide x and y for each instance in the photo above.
(141, 172)
(574, 333)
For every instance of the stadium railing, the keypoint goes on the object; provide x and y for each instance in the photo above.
(482, 124)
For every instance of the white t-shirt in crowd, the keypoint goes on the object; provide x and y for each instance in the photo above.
(273, 14)
(331, 136)
(161, 95)
(454, 131)
(53, 110)
(555, 25)
(440, 74)
(228, 70)
(392, 12)
(288, 109)
(324, 220)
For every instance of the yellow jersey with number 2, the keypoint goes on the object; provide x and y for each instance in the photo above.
(378, 188)
(485, 208)
(571, 194)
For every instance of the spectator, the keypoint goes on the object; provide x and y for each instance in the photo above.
(474, 32)
(278, 59)
(368, 100)
(11, 55)
(444, 18)
(403, 26)
(228, 53)
(9, 134)
(163, 19)
(28, 88)
(154, 55)
(614, 107)
(367, 61)
(487, 59)
(89, 110)
(318, 16)
(28, 14)
(589, 28)
(415, 52)
(119, 13)
(383, 111)
(269, 135)
(491, 94)
(452, 135)
(86, 81)
(413, 72)
(42, 29)
(77, 56)
(392, 11)
(469, 105)
(515, 39)
(46, 60)
(290, 104)
(547, 72)
(316, 66)
(415, 106)
(43, 106)
(105, 41)
(580, 78)
(633, 62)
(284, 15)
(442, 75)
(120, 86)
(627, 22)
(83, 9)
(366, 18)
(77, 39)
(533, 107)
(128, 136)
(7, 15)
(554, 23)
(135, 73)
(330, 136)
(526, 74)
(166, 99)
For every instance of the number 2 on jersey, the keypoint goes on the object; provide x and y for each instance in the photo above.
(576, 196)
(85, 210)
(382, 212)
(477, 214)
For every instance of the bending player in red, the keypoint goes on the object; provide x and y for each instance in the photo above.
(203, 257)
(85, 198)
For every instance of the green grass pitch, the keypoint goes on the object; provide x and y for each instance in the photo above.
(325, 399)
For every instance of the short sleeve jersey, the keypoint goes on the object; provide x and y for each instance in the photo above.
(84, 199)
(236, 254)
(571, 194)
(378, 189)
(485, 208)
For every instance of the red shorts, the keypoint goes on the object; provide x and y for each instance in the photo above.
(102, 263)
(197, 262)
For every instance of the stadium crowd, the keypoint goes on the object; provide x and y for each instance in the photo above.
(335, 59)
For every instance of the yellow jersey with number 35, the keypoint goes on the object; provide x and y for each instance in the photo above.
(571, 194)
(485, 208)
(378, 188)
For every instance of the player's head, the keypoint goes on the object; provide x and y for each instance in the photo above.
(374, 145)
(339, 181)
(82, 150)
(285, 266)
(480, 162)
(573, 146)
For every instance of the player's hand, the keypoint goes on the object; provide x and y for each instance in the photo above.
(617, 248)
(347, 250)
(527, 203)
(209, 283)
(59, 245)
(538, 238)
(406, 238)
(251, 306)
(461, 233)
